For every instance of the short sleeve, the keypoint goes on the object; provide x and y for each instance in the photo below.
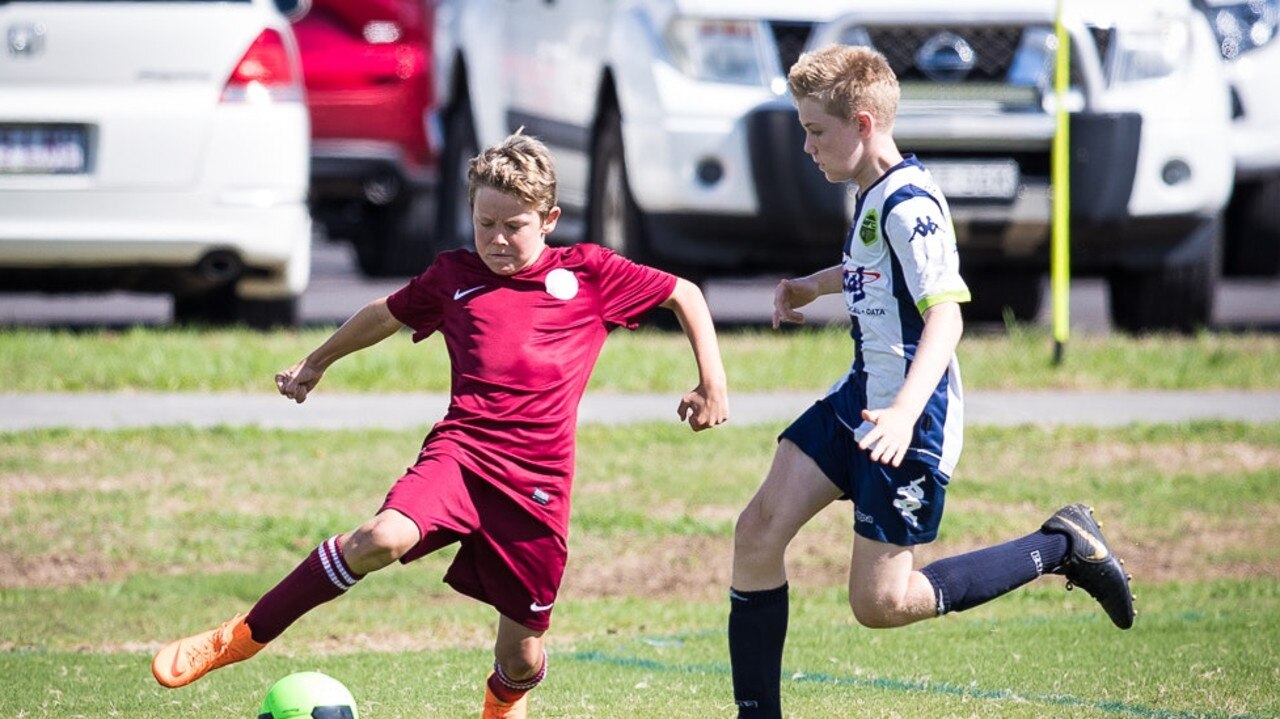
(629, 289)
(924, 241)
(418, 304)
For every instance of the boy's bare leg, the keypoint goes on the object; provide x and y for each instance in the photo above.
(793, 492)
(520, 664)
(327, 573)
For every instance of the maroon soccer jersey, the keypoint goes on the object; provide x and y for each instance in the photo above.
(522, 348)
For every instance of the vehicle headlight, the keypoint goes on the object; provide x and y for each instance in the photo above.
(1153, 52)
(1242, 25)
(719, 50)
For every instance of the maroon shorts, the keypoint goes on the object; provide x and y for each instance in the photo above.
(506, 557)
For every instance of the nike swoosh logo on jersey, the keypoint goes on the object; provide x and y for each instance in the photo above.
(459, 294)
(535, 607)
(1099, 549)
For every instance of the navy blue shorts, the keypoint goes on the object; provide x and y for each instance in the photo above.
(897, 505)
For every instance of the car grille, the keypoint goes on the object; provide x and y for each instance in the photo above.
(995, 48)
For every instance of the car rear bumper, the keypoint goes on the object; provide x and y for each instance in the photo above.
(153, 243)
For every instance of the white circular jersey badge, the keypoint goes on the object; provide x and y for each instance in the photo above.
(562, 284)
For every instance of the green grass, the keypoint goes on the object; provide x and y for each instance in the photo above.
(116, 541)
(647, 361)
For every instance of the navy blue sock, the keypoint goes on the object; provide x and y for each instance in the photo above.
(757, 631)
(967, 580)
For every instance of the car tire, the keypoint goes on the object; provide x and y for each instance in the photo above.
(453, 216)
(997, 292)
(614, 220)
(396, 240)
(1253, 230)
(1171, 298)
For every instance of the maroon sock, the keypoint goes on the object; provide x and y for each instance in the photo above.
(509, 690)
(322, 576)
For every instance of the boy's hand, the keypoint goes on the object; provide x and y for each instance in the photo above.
(891, 437)
(790, 294)
(703, 409)
(297, 381)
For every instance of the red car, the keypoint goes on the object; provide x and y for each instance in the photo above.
(373, 156)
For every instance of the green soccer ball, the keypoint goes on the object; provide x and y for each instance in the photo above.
(308, 694)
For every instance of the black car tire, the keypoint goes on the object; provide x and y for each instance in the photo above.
(453, 218)
(614, 220)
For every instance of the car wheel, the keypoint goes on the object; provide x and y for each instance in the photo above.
(453, 219)
(994, 293)
(1253, 230)
(1172, 298)
(614, 220)
(395, 240)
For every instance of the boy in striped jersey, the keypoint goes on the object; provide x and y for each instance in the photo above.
(888, 435)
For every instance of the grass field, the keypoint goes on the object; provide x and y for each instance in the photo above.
(645, 361)
(116, 541)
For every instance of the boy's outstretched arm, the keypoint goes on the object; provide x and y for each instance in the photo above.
(707, 405)
(791, 294)
(368, 326)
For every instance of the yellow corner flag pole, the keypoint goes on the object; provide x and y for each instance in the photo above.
(1060, 261)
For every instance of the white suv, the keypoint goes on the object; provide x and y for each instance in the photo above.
(677, 143)
(1247, 38)
(155, 147)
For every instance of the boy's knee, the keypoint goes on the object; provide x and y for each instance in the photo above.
(381, 540)
(753, 532)
(877, 612)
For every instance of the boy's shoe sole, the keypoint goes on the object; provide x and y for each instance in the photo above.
(1090, 563)
(190, 658)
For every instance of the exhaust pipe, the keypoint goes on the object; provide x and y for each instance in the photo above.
(220, 267)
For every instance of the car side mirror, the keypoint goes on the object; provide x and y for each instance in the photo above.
(293, 9)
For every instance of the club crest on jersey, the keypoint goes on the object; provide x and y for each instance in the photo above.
(870, 228)
(562, 284)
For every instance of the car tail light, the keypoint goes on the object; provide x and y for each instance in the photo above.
(266, 73)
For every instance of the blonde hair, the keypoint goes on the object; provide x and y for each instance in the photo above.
(520, 166)
(847, 80)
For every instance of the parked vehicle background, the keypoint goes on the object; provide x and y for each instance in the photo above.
(155, 147)
(373, 155)
(677, 144)
(1246, 31)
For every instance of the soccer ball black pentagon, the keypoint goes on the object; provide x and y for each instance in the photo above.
(308, 694)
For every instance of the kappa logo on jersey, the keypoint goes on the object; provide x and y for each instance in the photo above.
(870, 229)
(909, 501)
(924, 228)
(855, 282)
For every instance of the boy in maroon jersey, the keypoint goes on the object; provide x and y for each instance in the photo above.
(523, 324)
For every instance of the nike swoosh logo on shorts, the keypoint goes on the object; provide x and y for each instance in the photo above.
(459, 294)
(535, 607)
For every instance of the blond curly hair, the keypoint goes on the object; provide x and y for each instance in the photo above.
(520, 166)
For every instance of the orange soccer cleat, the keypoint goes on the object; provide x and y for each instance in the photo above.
(495, 708)
(188, 659)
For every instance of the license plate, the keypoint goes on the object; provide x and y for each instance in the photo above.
(976, 179)
(43, 149)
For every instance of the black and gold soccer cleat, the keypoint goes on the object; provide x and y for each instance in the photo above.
(1090, 563)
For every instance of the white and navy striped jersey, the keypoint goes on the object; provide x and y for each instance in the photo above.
(900, 259)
